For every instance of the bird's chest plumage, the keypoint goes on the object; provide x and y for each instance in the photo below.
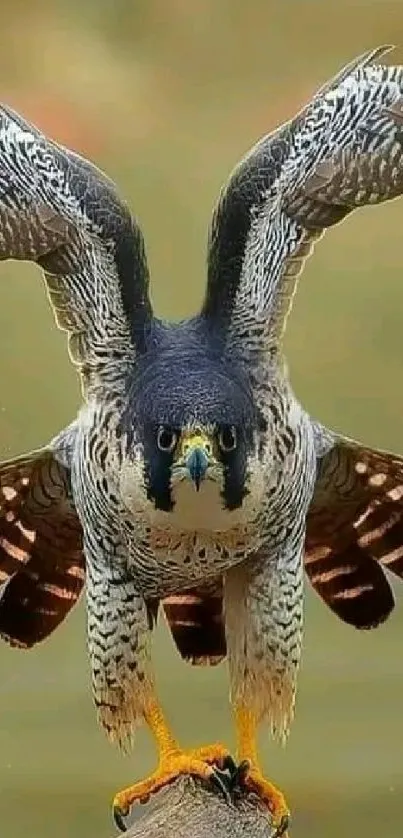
(199, 538)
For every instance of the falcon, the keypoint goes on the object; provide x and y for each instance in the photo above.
(192, 480)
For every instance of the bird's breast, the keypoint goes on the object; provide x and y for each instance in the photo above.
(199, 537)
(169, 560)
(201, 509)
(199, 527)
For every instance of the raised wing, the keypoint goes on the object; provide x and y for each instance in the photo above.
(355, 529)
(344, 150)
(59, 211)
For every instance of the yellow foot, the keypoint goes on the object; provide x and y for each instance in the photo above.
(271, 796)
(198, 762)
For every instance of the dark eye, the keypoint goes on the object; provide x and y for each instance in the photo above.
(166, 439)
(227, 438)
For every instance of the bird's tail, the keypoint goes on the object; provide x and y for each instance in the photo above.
(196, 620)
(355, 529)
(41, 560)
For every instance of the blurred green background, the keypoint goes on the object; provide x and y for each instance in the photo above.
(166, 95)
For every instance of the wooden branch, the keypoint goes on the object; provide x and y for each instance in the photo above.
(191, 809)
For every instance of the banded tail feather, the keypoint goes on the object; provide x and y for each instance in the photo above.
(355, 531)
(195, 618)
(41, 559)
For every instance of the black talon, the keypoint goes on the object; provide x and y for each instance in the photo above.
(282, 827)
(221, 779)
(119, 817)
(229, 764)
(239, 775)
(230, 777)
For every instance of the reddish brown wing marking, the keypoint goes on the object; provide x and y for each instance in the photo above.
(41, 559)
(354, 527)
(195, 618)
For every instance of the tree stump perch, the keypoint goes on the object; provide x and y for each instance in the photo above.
(190, 808)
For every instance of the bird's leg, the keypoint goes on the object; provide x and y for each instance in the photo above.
(246, 732)
(123, 686)
(173, 761)
(118, 626)
(263, 614)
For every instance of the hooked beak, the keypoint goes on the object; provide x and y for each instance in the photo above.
(197, 454)
(196, 463)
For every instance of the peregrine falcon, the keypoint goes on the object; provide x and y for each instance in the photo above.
(192, 480)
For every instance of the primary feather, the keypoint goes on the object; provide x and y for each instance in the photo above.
(342, 151)
(59, 211)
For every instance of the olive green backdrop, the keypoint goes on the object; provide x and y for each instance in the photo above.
(166, 95)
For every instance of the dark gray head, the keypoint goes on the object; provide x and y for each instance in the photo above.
(195, 416)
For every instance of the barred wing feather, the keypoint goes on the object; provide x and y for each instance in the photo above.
(342, 151)
(61, 212)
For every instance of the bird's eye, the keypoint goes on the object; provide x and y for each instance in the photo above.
(227, 438)
(166, 439)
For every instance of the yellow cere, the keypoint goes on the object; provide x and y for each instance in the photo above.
(195, 439)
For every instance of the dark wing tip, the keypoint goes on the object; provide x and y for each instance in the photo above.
(36, 600)
(41, 559)
(352, 584)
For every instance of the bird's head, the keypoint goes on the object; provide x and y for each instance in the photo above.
(196, 452)
(195, 434)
